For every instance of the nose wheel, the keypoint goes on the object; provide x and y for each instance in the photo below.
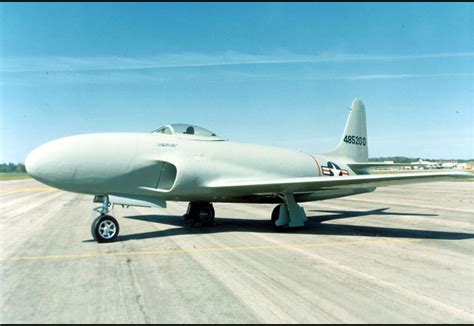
(105, 228)
(200, 213)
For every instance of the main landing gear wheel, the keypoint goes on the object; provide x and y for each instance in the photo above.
(201, 213)
(105, 228)
(275, 216)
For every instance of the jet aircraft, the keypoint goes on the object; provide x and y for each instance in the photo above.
(181, 162)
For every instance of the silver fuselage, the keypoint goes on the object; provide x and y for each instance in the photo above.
(172, 167)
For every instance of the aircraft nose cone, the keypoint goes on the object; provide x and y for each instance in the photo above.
(89, 163)
(52, 163)
(74, 163)
(36, 163)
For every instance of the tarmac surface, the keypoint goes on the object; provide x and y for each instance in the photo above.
(400, 254)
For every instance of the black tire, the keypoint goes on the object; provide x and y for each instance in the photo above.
(192, 211)
(205, 214)
(105, 228)
(275, 216)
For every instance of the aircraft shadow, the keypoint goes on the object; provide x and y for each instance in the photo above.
(346, 214)
(314, 226)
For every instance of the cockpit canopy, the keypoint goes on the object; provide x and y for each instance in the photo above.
(187, 130)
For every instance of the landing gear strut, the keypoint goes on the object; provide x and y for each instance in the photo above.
(105, 228)
(200, 212)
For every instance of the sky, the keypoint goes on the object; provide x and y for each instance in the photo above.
(279, 74)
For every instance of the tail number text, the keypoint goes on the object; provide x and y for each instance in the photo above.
(356, 140)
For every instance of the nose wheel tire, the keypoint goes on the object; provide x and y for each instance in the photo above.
(105, 228)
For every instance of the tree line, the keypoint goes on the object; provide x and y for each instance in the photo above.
(12, 167)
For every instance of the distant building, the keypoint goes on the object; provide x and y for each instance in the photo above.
(426, 165)
(449, 165)
(464, 166)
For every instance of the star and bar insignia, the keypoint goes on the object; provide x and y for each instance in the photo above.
(332, 169)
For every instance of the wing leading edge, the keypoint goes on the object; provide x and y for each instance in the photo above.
(312, 184)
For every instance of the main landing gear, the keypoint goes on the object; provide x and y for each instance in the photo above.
(105, 228)
(288, 215)
(199, 212)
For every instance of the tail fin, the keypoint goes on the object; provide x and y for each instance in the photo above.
(354, 144)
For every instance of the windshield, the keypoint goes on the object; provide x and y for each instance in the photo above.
(186, 129)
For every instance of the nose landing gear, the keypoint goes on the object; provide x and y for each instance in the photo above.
(105, 228)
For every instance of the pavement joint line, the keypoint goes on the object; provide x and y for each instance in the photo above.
(205, 250)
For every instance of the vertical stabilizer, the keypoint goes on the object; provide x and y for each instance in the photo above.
(354, 144)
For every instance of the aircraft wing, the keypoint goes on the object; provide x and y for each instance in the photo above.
(361, 168)
(370, 165)
(312, 184)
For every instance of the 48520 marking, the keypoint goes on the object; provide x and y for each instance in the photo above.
(356, 140)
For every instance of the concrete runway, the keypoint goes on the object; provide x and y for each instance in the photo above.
(400, 254)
